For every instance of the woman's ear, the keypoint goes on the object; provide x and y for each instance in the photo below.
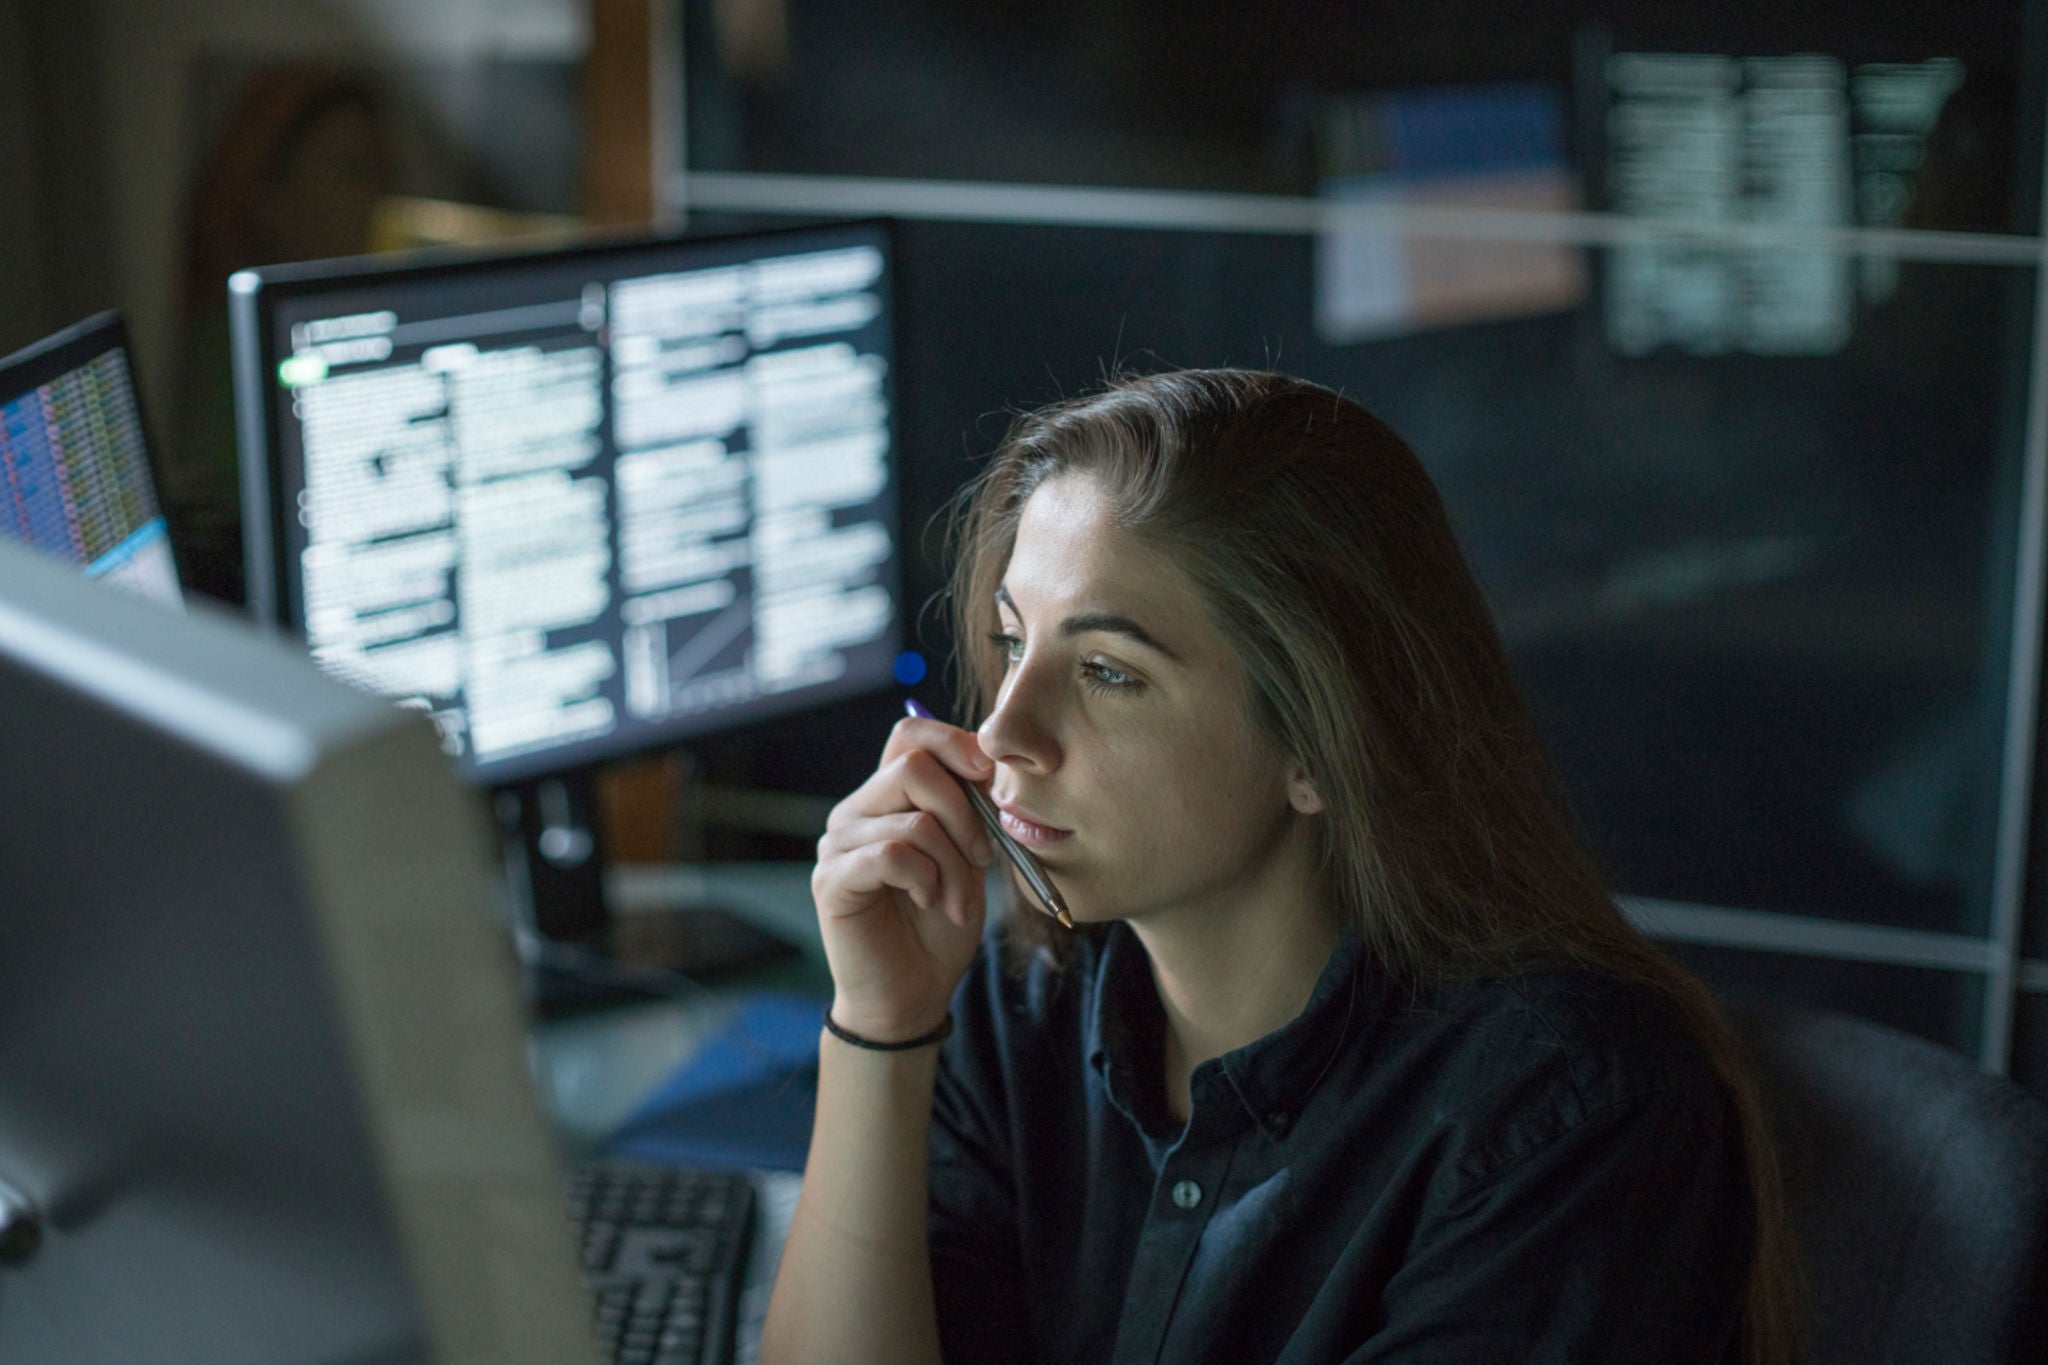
(1302, 794)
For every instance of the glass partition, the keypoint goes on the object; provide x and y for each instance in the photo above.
(1716, 330)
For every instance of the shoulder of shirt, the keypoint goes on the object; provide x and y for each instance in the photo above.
(1522, 1060)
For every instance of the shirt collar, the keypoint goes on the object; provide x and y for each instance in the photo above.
(1271, 1077)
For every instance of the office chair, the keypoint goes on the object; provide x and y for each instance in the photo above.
(1918, 1191)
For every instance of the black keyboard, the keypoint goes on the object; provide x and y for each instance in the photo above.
(665, 1252)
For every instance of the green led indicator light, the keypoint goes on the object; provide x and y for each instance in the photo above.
(300, 370)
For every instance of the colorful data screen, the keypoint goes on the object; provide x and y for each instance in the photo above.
(75, 478)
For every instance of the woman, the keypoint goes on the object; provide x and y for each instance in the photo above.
(1350, 1056)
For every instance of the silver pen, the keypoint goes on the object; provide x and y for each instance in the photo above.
(1020, 856)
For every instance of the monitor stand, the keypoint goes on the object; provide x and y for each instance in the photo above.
(577, 954)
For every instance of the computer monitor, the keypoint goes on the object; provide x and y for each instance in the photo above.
(580, 502)
(75, 477)
(263, 1090)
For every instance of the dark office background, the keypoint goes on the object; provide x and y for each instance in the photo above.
(1763, 604)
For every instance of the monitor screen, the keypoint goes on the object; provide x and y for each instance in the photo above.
(75, 476)
(581, 502)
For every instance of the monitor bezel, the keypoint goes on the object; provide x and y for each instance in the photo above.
(256, 294)
(56, 355)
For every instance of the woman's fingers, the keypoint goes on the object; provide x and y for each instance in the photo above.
(893, 865)
(910, 851)
(917, 780)
(899, 881)
(954, 747)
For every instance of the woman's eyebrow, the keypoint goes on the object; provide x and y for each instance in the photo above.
(1106, 621)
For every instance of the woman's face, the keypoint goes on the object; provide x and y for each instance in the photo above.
(1126, 758)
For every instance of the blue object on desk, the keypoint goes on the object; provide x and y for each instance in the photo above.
(744, 1099)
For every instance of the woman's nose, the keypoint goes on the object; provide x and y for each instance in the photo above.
(1021, 729)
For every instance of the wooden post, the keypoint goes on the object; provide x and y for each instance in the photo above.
(618, 126)
(638, 801)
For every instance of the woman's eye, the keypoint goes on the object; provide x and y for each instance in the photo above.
(1095, 675)
(1106, 679)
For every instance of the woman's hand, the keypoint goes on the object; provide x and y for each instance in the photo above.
(899, 883)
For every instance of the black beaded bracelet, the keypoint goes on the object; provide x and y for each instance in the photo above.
(937, 1035)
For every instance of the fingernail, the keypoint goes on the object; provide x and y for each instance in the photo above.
(984, 852)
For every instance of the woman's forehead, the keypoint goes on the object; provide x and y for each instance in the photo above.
(1070, 555)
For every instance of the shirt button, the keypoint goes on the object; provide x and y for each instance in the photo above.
(1187, 1194)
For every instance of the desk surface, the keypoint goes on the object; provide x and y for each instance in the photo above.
(594, 1069)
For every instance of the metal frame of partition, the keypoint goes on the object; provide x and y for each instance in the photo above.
(1996, 955)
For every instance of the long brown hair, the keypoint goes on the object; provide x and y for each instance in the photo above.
(1321, 547)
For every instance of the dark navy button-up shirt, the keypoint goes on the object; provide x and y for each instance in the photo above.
(1530, 1168)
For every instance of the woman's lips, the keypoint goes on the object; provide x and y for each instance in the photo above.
(1026, 830)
